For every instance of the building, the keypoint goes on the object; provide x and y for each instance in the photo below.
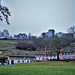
(45, 55)
(48, 34)
(67, 53)
(20, 36)
(20, 56)
(5, 33)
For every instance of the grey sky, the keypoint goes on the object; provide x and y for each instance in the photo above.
(37, 16)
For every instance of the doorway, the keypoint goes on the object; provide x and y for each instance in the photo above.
(12, 61)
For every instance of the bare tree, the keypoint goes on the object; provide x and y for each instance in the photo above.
(57, 43)
(26, 45)
(72, 30)
(4, 13)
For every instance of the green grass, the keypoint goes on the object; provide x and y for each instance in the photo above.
(50, 63)
(7, 41)
(40, 68)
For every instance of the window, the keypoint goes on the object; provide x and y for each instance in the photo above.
(74, 53)
(39, 55)
(11, 57)
(43, 52)
(23, 61)
(27, 61)
(68, 53)
(73, 57)
(66, 57)
(43, 55)
(65, 53)
(54, 55)
(37, 52)
(18, 57)
(47, 53)
(62, 53)
(71, 53)
(18, 61)
(15, 57)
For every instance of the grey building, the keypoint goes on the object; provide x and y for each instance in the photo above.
(48, 34)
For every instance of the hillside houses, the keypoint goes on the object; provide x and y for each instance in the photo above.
(16, 56)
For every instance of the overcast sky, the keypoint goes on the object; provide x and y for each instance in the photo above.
(37, 16)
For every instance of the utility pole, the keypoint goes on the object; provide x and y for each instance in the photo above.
(45, 53)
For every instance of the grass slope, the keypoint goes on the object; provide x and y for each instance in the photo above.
(41, 68)
(5, 44)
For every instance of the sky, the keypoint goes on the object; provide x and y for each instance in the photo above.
(38, 16)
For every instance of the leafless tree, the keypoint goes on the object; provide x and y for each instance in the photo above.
(57, 43)
(72, 29)
(4, 13)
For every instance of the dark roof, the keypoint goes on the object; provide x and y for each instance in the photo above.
(15, 52)
(68, 49)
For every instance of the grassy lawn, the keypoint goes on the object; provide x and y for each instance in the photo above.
(40, 68)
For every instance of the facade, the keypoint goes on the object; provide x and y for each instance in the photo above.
(48, 34)
(45, 55)
(20, 56)
(68, 53)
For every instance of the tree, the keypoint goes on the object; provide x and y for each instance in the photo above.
(57, 43)
(72, 30)
(25, 45)
(4, 13)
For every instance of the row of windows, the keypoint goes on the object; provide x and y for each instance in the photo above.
(19, 61)
(68, 57)
(20, 57)
(43, 53)
(22, 61)
(17, 57)
(68, 53)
